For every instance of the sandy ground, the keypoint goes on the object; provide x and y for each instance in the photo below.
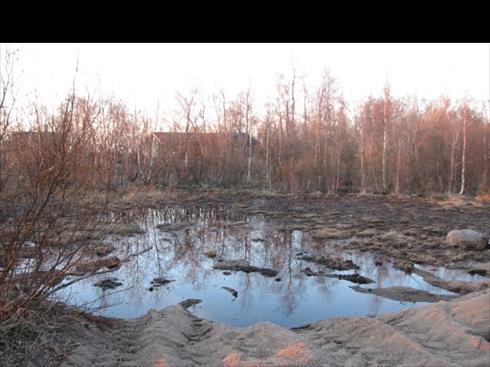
(454, 333)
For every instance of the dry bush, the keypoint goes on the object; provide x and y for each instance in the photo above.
(485, 197)
(40, 216)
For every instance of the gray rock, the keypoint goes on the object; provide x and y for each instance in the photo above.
(468, 239)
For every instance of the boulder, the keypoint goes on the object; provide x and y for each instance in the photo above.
(468, 239)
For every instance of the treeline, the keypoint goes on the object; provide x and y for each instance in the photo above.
(303, 140)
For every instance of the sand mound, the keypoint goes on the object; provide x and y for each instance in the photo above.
(444, 333)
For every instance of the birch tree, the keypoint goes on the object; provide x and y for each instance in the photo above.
(463, 156)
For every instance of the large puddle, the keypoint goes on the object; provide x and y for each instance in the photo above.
(179, 251)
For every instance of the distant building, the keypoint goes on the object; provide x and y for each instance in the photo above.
(195, 143)
(23, 139)
(202, 138)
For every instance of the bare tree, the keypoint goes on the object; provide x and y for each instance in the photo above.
(385, 133)
(248, 129)
(463, 154)
(7, 100)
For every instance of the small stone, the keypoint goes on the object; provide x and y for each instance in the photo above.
(233, 292)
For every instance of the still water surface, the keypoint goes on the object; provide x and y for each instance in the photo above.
(178, 252)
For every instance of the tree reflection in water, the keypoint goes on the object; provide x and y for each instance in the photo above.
(179, 252)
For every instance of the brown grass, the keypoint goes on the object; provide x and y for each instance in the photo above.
(331, 233)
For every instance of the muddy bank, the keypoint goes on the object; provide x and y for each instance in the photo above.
(253, 238)
(405, 294)
(408, 228)
(453, 286)
(445, 333)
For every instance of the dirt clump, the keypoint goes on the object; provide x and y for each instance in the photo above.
(104, 249)
(160, 281)
(108, 283)
(308, 272)
(475, 271)
(242, 265)
(353, 278)
(396, 238)
(329, 262)
(120, 229)
(403, 265)
(369, 232)
(112, 263)
(210, 253)
(173, 227)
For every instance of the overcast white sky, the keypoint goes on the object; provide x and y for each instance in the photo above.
(141, 74)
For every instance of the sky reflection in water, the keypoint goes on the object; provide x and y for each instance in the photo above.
(180, 255)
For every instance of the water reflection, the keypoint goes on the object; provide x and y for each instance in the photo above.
(180, 238)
